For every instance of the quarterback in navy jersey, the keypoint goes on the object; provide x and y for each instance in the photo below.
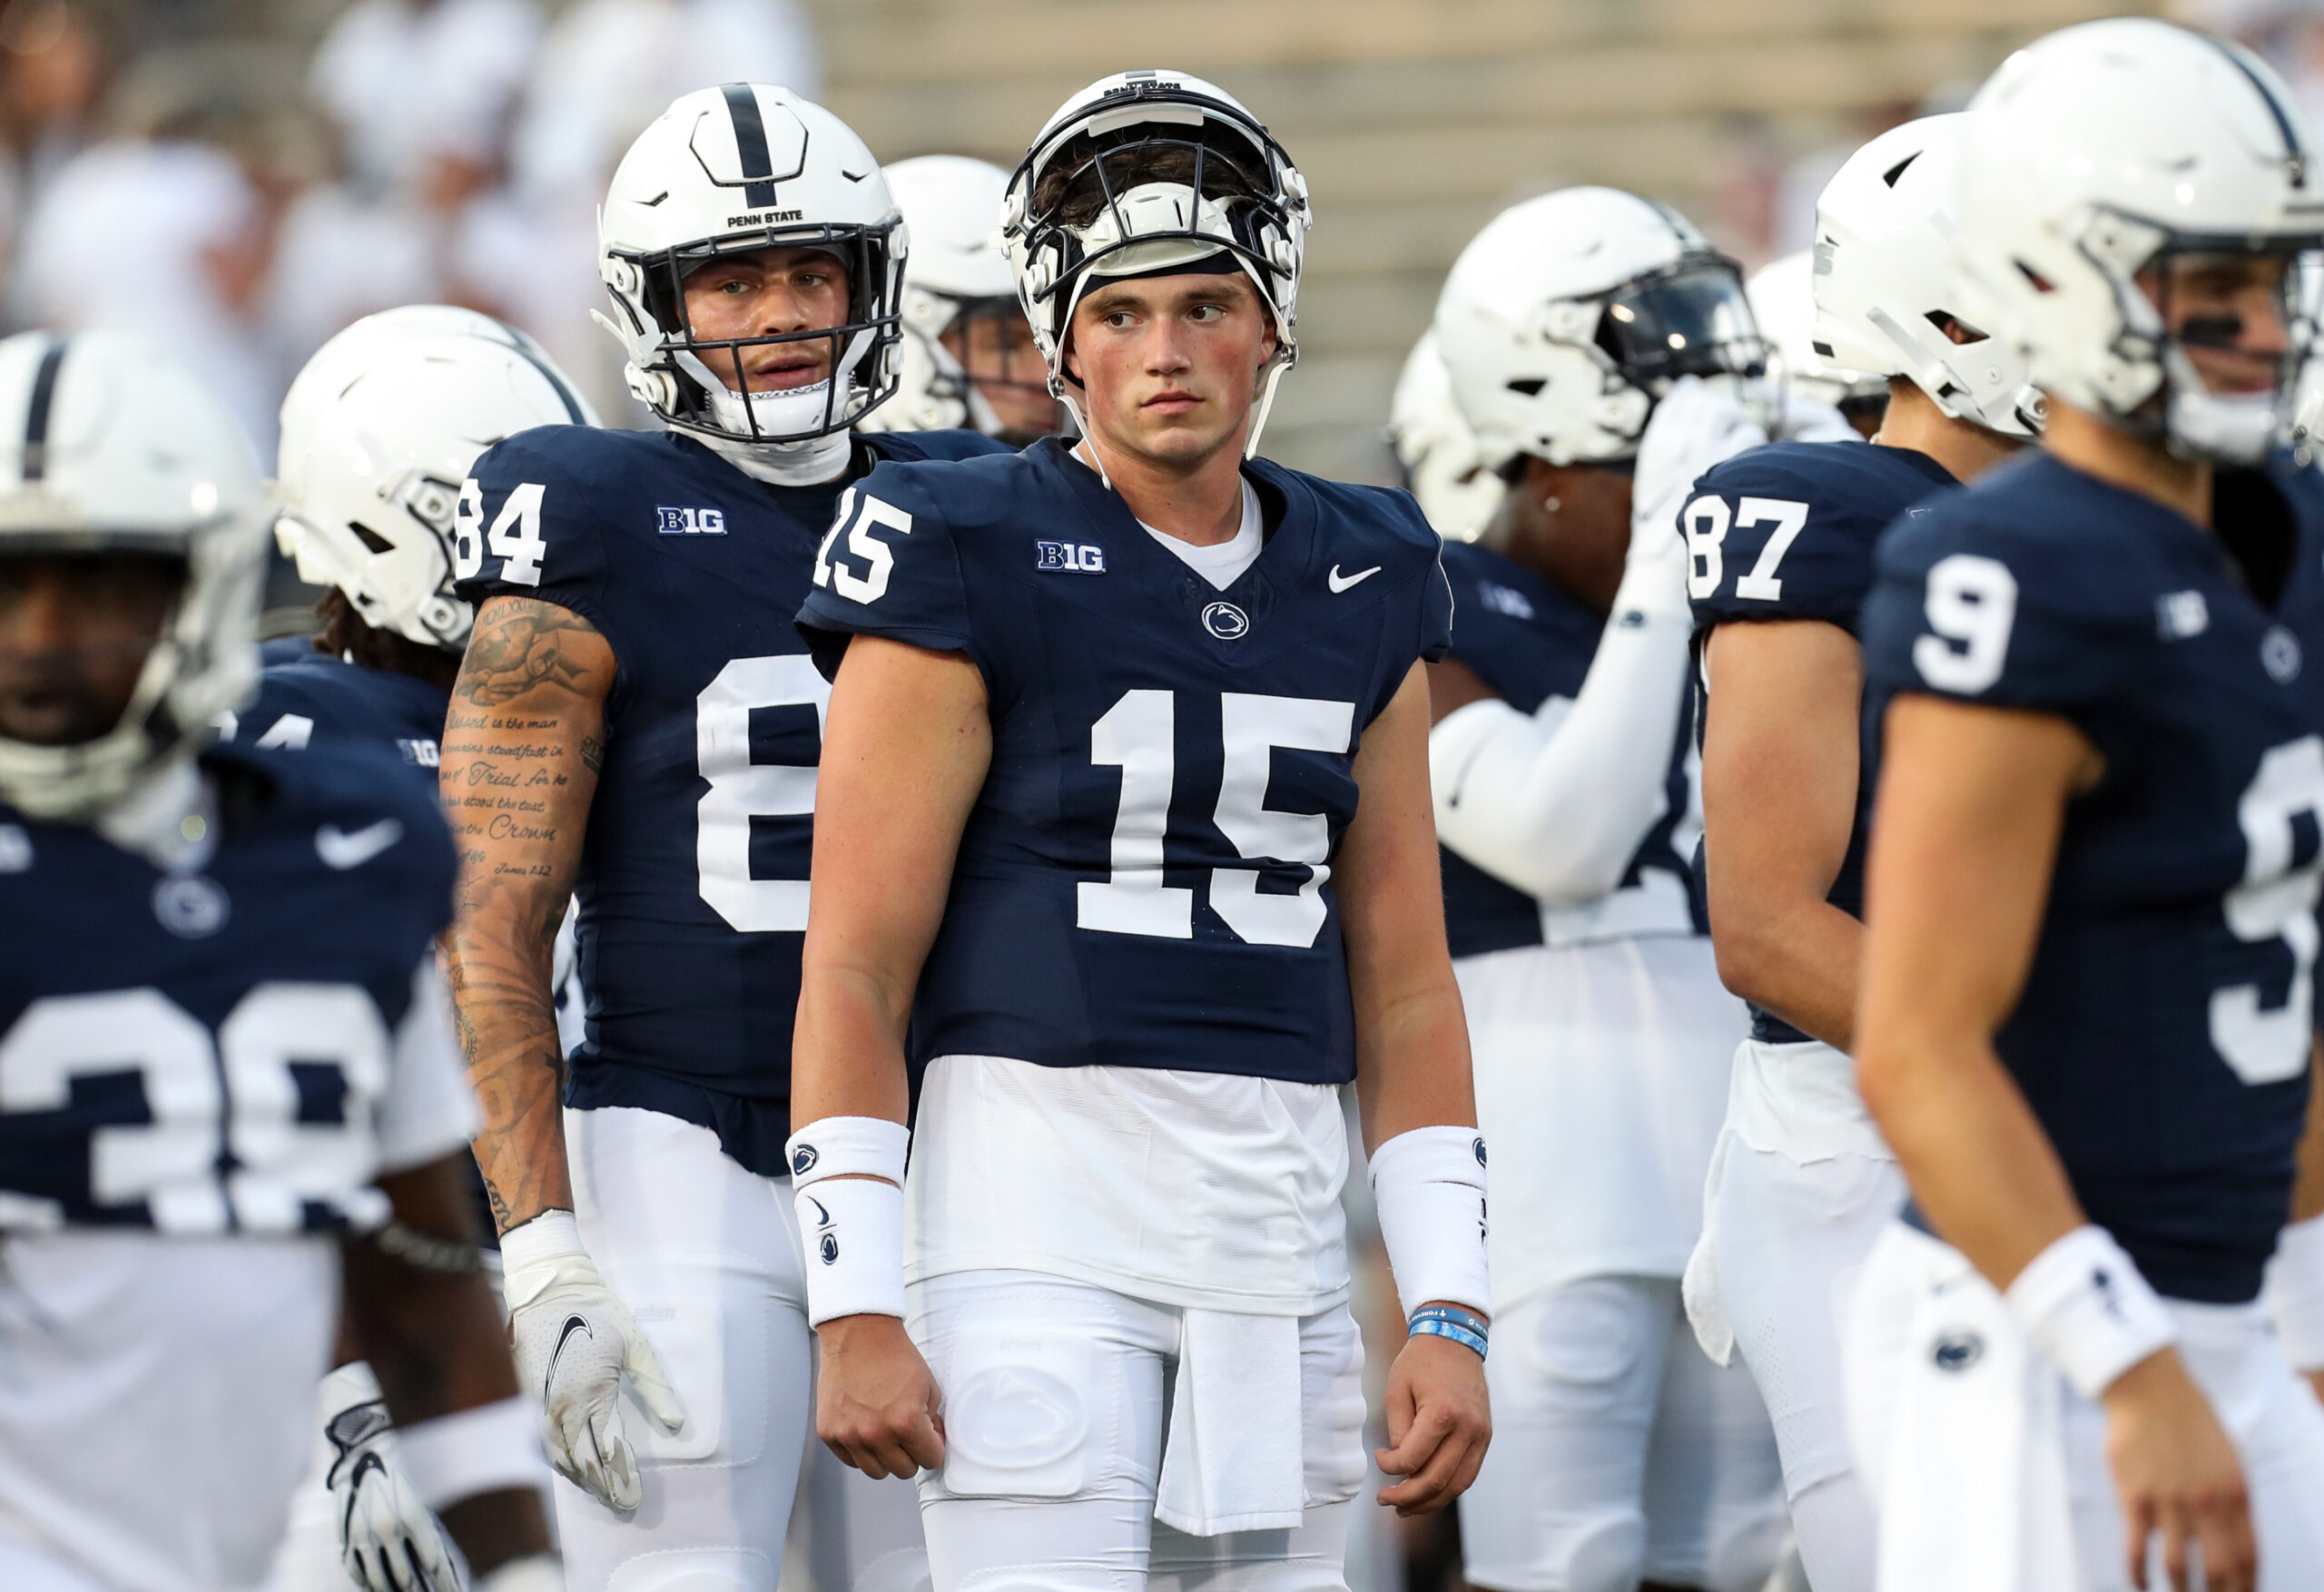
(1559, 759)
(1780, 543)
(1100, 722)
(234, 1108)
(637, 727)
(2088, 1005)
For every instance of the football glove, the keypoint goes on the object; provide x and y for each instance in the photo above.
(575, 1344)
(388, 1539)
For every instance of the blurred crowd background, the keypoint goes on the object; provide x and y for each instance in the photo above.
(240, 178)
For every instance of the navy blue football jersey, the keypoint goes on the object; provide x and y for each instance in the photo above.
(313, 695)
(1530, 640)
(2163, 1036)
(203, 1049)
(1145, 879)
(1787, 532)
(693, 887)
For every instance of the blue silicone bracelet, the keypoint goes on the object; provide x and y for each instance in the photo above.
(1461, 1335)
(1454, 1314)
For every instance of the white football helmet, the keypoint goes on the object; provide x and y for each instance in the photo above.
(2103, 149)
(1571, 314)
(1257, 214)
(1885, 282)
(728, 170)
(107, 446)
(957, 271)
(1438, 450)
(1783, 301)
(379, 430)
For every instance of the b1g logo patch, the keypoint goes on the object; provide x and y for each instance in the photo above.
(690, 521)
(1069, 558)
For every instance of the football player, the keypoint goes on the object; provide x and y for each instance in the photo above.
(1102, 722)
(223, 1041)
(637, 723)
(1779, 543)
(2088, 1004)
(378, 431)
(1598, 347)
(967, 358)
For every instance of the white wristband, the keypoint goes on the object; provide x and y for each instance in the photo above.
(347, 1386)
(1429, 1187)
(543, 1253)
(2084, 1303)
(2295, 1294)
(852, 1229)
(488, 1449)
(847, 1147)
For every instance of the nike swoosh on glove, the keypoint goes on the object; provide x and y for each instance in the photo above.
(1697, 425)
(574, 1343)
(389, 1540)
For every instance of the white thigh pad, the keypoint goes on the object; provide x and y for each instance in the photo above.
(1016, 1407)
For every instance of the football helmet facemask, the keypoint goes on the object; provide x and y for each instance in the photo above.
(106, 446)
(1239, 196)
(2128, 146)
(1568, 318)
(730, 171)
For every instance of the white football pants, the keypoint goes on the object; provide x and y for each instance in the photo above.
(1790, 1241)
(1055, 1453)
(1990, 1471)
(706, 1256)
(1619, 1451)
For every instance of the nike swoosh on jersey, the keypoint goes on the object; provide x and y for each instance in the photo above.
(573, 1324)
(1339, 584)
(343, 849)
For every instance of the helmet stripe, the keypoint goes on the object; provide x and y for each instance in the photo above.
(750, 145)
(2295, 152)
(52, 360)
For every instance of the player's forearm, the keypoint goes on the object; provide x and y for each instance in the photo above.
(434, 1339)
(1981, 1168)
(1559, 809)
(1414, 1069)
(1798, 958)
(2307, 1179)
(848, 1047)
(522, 747)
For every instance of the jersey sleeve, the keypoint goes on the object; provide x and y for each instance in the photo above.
(428, 1111)
(1761, 545)
(888, 567)
(1436, 615)
(525, 526)
(1977, 613)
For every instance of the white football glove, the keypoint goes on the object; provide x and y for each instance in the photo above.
(389, 1540)
(1806, 420)
(1697, 425)
(575, 1342)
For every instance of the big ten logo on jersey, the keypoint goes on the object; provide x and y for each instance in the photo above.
(420, 751)
(1071, 557)
(120, 1107)
(689, 521)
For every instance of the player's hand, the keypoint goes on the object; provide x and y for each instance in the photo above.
(1439, 1423)
(2315, 1381)
(877, 1405)
(2177, 1474)
(575, 1345)
(389, 1540)
(1697, 425)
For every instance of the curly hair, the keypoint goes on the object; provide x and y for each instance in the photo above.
(345, 633)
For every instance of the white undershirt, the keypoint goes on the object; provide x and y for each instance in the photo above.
(1221, 564)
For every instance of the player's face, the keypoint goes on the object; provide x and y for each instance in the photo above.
(767, 293)
(999, 354)
(1170, 365)
(2227, 311)
(74, 630)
